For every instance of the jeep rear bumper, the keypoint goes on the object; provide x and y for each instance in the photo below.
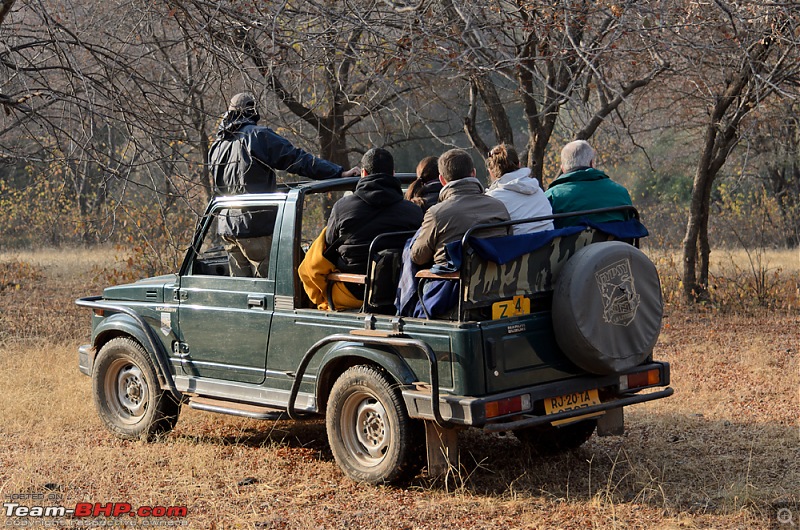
(471, 411)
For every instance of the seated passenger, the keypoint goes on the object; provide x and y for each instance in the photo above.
(582, 187)
(375, 207)
(462, 205)
(517, 190)
(424, 192)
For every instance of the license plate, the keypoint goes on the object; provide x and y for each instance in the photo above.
(574, 401)
(519, 305)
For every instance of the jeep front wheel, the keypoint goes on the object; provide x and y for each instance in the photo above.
(370, 434)
(127, 394)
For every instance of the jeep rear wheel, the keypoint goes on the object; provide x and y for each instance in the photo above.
(370, 434)
(548, 440)
(127, 394)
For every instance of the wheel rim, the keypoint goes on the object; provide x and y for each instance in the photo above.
(365, 428)
(127, 390)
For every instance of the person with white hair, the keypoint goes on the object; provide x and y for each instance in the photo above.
(583, 187)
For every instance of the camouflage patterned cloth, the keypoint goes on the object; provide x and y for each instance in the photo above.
(501, 268)
(533, 272)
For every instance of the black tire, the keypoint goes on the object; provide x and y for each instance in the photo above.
(371, 436)
(127, 394)
(549, 440)
(607, 308)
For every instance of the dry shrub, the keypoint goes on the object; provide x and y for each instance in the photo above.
(160, 252)
(757, 279)
(14, 274)
(740, 280)
(132, 263)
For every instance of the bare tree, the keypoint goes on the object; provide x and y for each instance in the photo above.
(730, 58)
(335, 66)
(5, 7)
(544, 58)
(776, 146)
(108, 97)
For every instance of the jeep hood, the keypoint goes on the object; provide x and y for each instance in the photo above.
(145, 290)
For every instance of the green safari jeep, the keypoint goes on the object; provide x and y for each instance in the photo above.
(550, 338)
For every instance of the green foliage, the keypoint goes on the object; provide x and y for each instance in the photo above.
(675, 189)
(661, 172)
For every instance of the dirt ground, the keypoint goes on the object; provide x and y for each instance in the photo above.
(722, 452)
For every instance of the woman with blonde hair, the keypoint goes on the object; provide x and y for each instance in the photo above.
(424, 192)
(517, 190)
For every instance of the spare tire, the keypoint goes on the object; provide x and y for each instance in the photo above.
(607, 307)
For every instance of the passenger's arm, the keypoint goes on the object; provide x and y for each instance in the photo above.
(425, 244)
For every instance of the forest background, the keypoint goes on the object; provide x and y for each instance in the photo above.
(108, 108)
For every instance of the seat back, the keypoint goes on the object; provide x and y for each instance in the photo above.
(383, 271)
(383, 278)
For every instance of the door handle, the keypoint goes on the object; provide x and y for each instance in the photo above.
(256, 301)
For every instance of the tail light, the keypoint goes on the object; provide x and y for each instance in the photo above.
(651, 377)
(506, 406)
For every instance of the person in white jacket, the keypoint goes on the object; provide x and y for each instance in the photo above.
(514, 187)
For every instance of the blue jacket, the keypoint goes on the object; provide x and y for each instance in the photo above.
(586, 189)
(244, 158)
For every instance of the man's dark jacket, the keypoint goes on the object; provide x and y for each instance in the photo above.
(244, 158)
(375, 207)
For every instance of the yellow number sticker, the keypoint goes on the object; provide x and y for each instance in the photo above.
(519, 305)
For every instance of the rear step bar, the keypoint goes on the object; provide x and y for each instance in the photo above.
(235, 408)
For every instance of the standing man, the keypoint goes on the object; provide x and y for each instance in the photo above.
(582, 187)
(243, 159)
(462, 205)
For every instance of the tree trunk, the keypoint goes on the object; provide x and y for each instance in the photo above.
(501, 125)
(695, 243)
(470, 125)
(5, 9)
(333, 141)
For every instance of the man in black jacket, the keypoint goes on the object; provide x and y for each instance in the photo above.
(243, 159)
(376, 206)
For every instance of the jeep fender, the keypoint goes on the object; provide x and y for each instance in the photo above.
(346, 354)
(121, 324)
(378, 341)
(125, 321)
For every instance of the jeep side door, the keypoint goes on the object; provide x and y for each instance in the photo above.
(224, 321)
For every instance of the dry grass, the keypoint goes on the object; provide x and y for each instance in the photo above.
(721, 453)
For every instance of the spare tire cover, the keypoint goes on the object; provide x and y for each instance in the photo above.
(607, 307)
